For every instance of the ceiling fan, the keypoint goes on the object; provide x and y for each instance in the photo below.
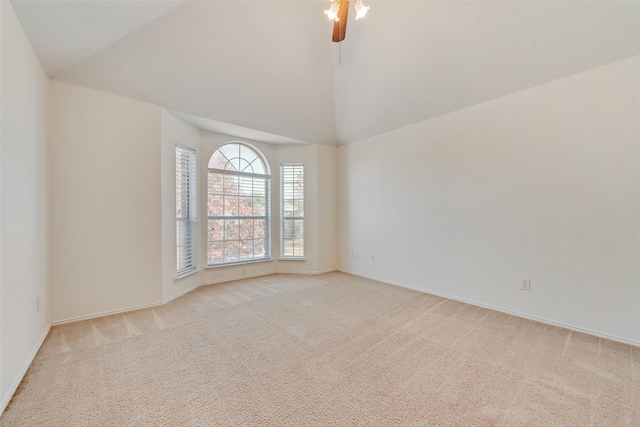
(338, 12)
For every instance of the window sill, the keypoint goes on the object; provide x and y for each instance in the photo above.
(184, 275)
(233, 264)
(292, 259)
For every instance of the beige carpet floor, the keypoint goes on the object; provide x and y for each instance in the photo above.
(328, 350)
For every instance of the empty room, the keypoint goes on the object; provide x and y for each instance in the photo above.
(319, 213)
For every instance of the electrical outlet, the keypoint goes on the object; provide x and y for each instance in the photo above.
(244, 271)
(526, 285)
(354, 255)
(373, 258)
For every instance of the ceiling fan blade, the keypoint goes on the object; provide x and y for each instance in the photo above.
(340, 27)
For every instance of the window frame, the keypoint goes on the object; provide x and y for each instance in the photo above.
(191, 205)
(266, 177)
(283, 256)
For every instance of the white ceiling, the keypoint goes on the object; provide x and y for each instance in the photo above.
(234, 130)
(417, 60)
(269, 69)
(63, 33)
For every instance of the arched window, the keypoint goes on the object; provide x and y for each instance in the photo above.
(238, 205)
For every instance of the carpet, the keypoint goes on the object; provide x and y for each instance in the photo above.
(326, 350)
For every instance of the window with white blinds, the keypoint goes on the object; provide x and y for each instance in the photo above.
(238, 206)
(292, 210)
(186, 207)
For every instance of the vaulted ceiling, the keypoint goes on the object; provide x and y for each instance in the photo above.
(268, 69)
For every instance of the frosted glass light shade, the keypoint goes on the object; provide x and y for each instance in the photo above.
(360, 8)
(332, 13)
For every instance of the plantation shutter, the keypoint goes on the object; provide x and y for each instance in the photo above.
(292, 211)
(185, 210)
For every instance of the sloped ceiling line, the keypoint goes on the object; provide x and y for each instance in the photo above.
(269, 66)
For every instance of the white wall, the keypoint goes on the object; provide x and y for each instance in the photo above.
(542, 184)
(174, 132)
(2, 398)
(23, 190)
(327, 208)
(106, 218)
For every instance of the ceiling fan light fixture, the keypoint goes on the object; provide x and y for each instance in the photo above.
(332, 12)
(360, 8)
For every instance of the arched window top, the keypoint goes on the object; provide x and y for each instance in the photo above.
(236, 157)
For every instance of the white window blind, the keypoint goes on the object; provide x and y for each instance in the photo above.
(238, 206)
(186, 207)
(292, 210)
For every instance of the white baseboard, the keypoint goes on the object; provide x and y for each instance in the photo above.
(179, 294)
(104, 313)
(186, 291)
(500, 309)
(6, 399)
(306, 272)
(151, 305)
(234, 278)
